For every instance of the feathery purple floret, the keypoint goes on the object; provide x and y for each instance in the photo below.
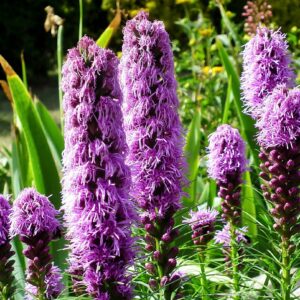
(279, 124)
(202, 223)
(32, 214)
(5, 209)
(266, 64)
(154, 135)
(54, 286)
(202, 218)
(226, 154)
(96, 180)
(223, 236)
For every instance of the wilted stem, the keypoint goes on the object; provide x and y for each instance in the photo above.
(59, 66)
(234, 257)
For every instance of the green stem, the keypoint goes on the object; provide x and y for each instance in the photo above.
(80, 19)
(59, 66)
(234, 257)
(286, 271)
(203, 277)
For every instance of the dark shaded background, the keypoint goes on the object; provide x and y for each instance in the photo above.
(22, 29)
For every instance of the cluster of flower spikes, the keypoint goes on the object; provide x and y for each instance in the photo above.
(266, 64)
(154, 136)
(226, 164)
(223, 237)
(6, 264)
(256, 12)
(279, 138)
(33, 219)
(202, 223)
(96, 180)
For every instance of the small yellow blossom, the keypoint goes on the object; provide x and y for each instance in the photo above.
(206, 32)
(217, 70)
(229, 14)
(294, 29)
(192, 42)
(206, 70)
(151, 4)
(183, 1)
(199, 98)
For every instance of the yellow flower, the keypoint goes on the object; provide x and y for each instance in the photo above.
(229, 14)
(206, 32)
(199, 98)
(294, 29)
(151, 4)
(206, 70)
(183, 1)
(217, 70)
(192, 42)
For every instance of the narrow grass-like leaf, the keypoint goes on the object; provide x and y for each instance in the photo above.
(247, 124)
(227, 101)
(52, 131)
(24, 72)
(248, 206)
(192, 149)
(107, 34)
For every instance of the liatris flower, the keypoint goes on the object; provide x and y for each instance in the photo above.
(33, 218)
(6, 264)
(54, 286)
(224, 237)
(226, 164)
(96, 181)
(256, 12)
(154, 135)
(202, 223)
(266, 64)
(279, 137)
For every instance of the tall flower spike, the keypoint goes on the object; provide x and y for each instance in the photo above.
(226, 164)
(202, 223)
(96, 180)
(266, 64)
(256, 12)
(6, 264)
(154, 136)
(279, 138)
(33, 218)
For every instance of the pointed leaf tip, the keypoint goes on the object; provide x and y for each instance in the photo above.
(8, 70)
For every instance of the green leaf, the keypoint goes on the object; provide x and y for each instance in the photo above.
(248, 206)
(227, 102)
(42, 164)
(52, 131)
(19, 268)
(229, 25)
(192, 149)
(107, 34)
(247, 124)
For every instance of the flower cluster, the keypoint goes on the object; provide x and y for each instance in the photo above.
(256, 12)
(266, 64)
(33, 218)
(226, 164)
(96, 181)
(202, 223)
(154, 135)
(6, 264)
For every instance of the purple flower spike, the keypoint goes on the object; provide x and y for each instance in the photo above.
(223, 236)
(279, 138)
(154, 132)
(96, 180)
(33, 214)
(279, 124)
(266, 64)
(202, 223)
(6, 267)
(54, 286)
(226, 164)
(33, 218)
